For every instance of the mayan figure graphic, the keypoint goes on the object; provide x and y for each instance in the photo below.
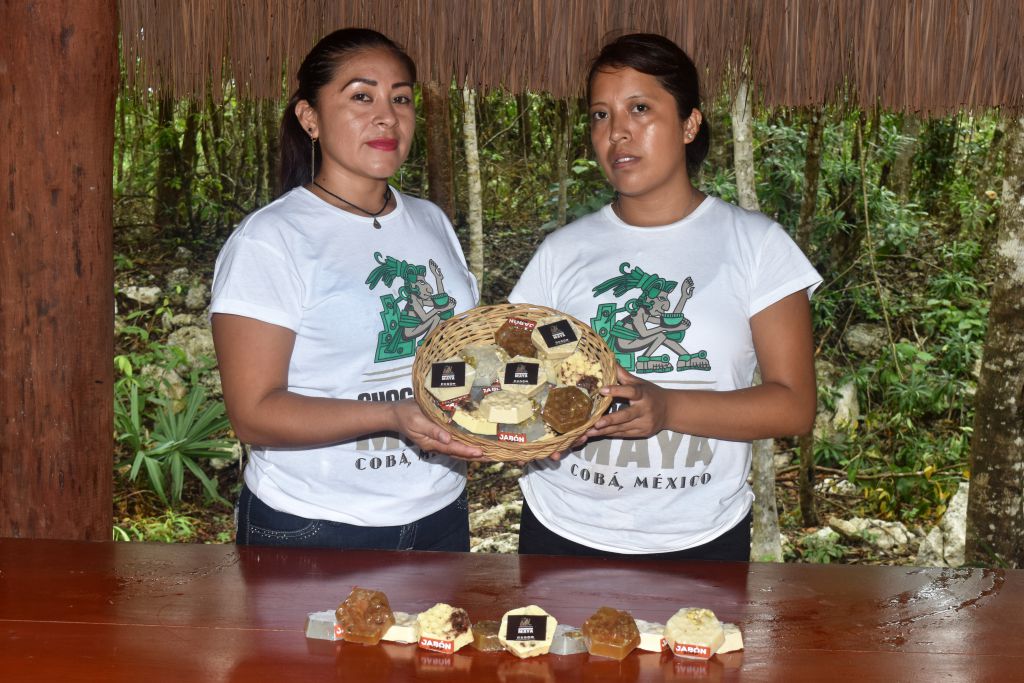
(417, 309)
(648, 323)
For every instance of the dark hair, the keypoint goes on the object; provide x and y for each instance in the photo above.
(658, 56)
(317, 70)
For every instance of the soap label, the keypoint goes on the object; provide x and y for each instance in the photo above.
(526, 627)
(512, 437)
(692, 651)
(522, 323)
(435, 645)
(339, 631)
(446, 375)
(522, 374)
(557, 333)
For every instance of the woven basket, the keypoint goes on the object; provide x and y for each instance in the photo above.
(477, 326)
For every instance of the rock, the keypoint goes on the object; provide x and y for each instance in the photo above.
(183, 320)
(196, 342)
(179, 277)
(147, 296)
(507, 544)
(824, 534)
(198, 296)
(230, 458)
(888, 536)
(783, 459)
(866, 339)
(170, 384)
(494, 516)
(512, 473)
(182, 254)
(837, 487)
(944, 546)
(847, 406)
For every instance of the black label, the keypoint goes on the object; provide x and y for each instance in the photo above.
(522, 373)
(446, 375)
(557, 333)
(526, 627)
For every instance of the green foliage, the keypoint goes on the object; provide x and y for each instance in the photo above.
(818, 549)
(169, 527)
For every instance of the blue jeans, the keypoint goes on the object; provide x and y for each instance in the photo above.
(260, 524)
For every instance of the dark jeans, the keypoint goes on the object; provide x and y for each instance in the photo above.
(537, 539)
(260, 524)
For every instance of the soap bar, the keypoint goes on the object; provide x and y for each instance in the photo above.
(522, 374)
(694, 633)
(486, 359)
(577, 367)
(444, 628)
(364, 616)
(733, 639)
(532, 429)
(506, 406)
(555, 337)
(405, 629)
(527, 631)
(474, 420)
(566, 408)
(514, 336)
(450, 379)
(611, 633)
(652, 636)
(485, 636)
(568, 640)
(320, 625)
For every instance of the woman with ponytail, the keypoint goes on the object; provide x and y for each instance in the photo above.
(691, 293)
(315, 344)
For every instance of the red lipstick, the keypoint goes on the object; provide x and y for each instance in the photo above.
(384, 144)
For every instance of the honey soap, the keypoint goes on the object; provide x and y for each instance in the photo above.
(555, 337)
(568, 640)
(733, 639)
(611, 633)
(444, 628)
(508, 407)
(523, 375)
(694, 633)
(450, 379)
(364, 617)
(566, 408)
(527, 631)
(405, 629)
(652, 636)
(514, 336)
(485, 636)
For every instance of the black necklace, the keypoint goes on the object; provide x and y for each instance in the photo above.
(371, 214)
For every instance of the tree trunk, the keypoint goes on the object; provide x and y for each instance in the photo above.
(743, 148)
(440, 177)
(899, 178)
(995, 508)
(165, 198)
(525, 129)
(476, 222)
(56, 268)
(271, 128)
(562, 160)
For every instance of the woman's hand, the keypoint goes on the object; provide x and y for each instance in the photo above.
(645, 415)
(428, 436)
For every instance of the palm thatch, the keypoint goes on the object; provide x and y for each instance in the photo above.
(925, 56)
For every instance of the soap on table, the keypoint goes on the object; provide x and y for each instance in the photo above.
(507, 407)
(652, 636)
(450, 379)
(522, 374)
(405, 629)
(611, 633)
(694, 633)
(364, 616)
(568, 640)
(321, 625)
(485, 636)
(444, 628)
(527, 631)
(733, 639)
(566, 408)
(555, 337)
(514, 336)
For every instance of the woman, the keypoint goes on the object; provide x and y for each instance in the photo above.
(666, 475)
(313, 341)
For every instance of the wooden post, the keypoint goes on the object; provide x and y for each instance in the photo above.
(440, 176)
(60, 71)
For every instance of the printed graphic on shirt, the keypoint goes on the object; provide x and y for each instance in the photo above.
(652, 329)
(410, 311)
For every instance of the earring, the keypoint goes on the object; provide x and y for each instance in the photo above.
(312, 159)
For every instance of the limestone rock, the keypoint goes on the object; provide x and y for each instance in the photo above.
(847, 406)
(888, 536)
(196, 342)
(495, 516)
(198, 296)
(944, 546)
(507, 544)
(147, 296)
(866, 339)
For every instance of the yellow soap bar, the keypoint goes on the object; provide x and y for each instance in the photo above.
(527, 631)
(694, 633)
(474, 421)
(444, 628)
(555, 337)
(522, 374)
(506, 407)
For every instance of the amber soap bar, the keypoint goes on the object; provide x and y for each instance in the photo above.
(610, 633)
(485, 636)
(364, 617)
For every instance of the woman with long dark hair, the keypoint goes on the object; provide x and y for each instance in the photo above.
(320, 300)
(691, 293)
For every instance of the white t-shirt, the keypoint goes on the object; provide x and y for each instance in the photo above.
(671, 491)
(347, 291)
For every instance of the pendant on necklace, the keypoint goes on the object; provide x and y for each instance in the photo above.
(376, 223)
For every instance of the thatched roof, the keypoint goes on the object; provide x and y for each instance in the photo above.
(928, 56)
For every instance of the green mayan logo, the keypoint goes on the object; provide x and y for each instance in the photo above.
(648, 324)
(415, 312)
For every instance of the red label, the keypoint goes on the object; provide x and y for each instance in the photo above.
(692, 651)
(447, 646)
(451, 404)
(664, 644)
(514, 438)
(339, 632)
(522, 323)
(492, 388)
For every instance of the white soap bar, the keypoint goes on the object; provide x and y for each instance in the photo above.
(450, 378)
(444, 628)
(522, 374)
(320, 625)
(694, 633)
(652, 635)
(474, 421)
(555, 337)
(733, 639)
(506, 407)
(568, 640)
(527, 631)
(405, 630)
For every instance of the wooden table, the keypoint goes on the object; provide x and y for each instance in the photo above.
(74, 611)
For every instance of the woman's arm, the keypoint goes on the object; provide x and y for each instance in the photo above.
(253, 358)
(783, 404)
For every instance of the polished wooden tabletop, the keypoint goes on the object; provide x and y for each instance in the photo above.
(73, 611)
